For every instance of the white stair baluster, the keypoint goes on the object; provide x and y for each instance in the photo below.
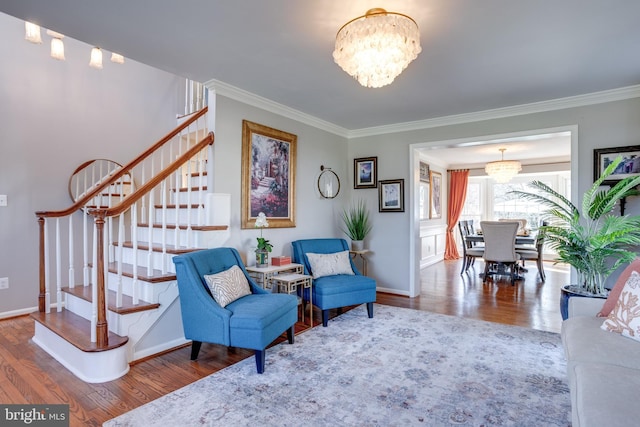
(72, 273)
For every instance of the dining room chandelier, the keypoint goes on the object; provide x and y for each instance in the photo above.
(503, 170)
(376, 47)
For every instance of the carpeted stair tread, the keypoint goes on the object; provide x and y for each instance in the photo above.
(171, 249)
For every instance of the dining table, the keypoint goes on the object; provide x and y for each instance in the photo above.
(521, 239)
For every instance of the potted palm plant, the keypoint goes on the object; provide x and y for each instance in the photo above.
(356, 224)
(595, 241)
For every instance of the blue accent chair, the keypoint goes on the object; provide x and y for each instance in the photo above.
(253, 321)
(339, 290)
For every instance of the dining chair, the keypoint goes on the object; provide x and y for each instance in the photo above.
(534, 253)
(499, 247)
(469, 251)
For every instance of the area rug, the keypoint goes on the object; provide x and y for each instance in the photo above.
(403, 367)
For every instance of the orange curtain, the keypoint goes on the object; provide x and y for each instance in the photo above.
(457, 194)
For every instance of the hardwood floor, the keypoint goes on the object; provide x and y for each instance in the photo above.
(29, 375)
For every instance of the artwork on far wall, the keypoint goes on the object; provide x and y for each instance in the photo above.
(391, 195)
(424, 172)
(435, 192)
(630, 165)
(268, 175)
(365, 172)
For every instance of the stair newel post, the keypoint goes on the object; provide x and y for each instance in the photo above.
(42, 278)
(102, 329)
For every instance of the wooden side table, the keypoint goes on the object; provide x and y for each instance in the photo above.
(263, 275)
(362, 255)
(289, 283)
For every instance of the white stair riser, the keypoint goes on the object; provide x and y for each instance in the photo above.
(145, 258)
(147, 291)
(197, 215)
(199, 239)
(183, 197)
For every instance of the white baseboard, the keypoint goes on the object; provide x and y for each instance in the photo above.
(393, 291)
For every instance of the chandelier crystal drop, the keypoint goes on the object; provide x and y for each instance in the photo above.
(377, 47)
(503, 170)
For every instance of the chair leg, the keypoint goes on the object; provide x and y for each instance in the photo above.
(291, 334)
(541, 270)
(195, 349)
(464, 264)
(370, 310)
(486, 272)
(325, 318)
(260, 360)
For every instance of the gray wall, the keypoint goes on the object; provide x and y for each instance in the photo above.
(609, 124)
(315, 216)
(55, 115)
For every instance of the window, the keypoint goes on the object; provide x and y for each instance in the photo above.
(473, 205)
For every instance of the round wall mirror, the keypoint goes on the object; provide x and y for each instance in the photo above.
(328, 183)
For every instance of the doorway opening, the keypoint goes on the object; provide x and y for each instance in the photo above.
(541, 152)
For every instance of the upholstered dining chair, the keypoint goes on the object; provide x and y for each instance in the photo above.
(221, 304)
(499, 247)
(469, 251)
(534, 253)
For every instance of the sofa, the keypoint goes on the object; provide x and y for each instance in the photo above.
(603, 367)
(339, 285)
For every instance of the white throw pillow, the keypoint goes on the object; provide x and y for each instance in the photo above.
(625, 317)
(227, 286)
(330, 264)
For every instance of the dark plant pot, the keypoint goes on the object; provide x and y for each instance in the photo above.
(570, 291)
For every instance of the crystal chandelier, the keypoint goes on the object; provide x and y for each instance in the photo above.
(503, 170)
(377, 47)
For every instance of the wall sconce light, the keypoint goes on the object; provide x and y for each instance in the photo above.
(57, 46)
(96, 58)
(32, 33)
(328, 183)
(117, 58)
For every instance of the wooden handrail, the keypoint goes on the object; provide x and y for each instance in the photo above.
(161, 176)
(125, 169)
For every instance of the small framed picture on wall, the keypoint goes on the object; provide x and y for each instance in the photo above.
(424, 172)
(365, 172)
(391, 195)
(435, 195)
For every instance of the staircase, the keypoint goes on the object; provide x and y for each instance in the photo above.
(125, 225)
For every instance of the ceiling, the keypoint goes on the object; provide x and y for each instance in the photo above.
(476, 55)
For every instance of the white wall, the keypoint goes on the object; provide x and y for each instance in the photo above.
(55, 115)
(609, 124)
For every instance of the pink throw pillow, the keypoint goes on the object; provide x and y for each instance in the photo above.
(614, 295)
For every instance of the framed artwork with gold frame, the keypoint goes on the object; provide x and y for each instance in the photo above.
(268, 175)
(435, 195)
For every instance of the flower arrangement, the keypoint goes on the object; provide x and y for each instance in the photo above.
(263, 244)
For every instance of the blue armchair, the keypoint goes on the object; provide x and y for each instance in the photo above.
(339, 290)
(252, 321)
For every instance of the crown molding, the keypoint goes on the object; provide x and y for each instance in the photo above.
(499, 113)
(249, 98)
(257, 101)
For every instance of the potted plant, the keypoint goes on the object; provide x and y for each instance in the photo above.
(595, 241)
(264, 247)
(356, 224)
